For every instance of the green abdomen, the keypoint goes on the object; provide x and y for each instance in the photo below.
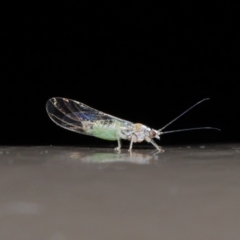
(105, 131)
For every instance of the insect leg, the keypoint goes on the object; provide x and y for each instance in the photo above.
(130, 147)
(156, 146)
(119, 145)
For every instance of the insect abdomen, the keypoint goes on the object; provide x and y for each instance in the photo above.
(104, 131)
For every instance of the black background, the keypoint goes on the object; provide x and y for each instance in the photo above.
(142, 62)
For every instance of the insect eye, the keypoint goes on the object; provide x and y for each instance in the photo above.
(152, 133)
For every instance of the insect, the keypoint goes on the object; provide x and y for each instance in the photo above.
(78, 117)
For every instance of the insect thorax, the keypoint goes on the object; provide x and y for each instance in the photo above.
(138, 132)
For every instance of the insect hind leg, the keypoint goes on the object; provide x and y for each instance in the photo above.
(118, 148)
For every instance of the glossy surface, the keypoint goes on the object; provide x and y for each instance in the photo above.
(67, 193)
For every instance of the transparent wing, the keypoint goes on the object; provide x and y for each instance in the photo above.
(71, 114)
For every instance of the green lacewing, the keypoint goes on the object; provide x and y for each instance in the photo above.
(78, 117)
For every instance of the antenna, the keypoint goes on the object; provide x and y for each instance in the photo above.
(205, 99)
(189, 129)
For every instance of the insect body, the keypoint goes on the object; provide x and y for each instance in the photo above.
(78, 117)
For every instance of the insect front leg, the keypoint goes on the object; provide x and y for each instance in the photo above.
(154, 144)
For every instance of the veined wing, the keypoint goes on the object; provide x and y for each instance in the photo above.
(72, 115)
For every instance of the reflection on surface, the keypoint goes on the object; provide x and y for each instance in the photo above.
(48, 155)
(41, 155)
(101, 157)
